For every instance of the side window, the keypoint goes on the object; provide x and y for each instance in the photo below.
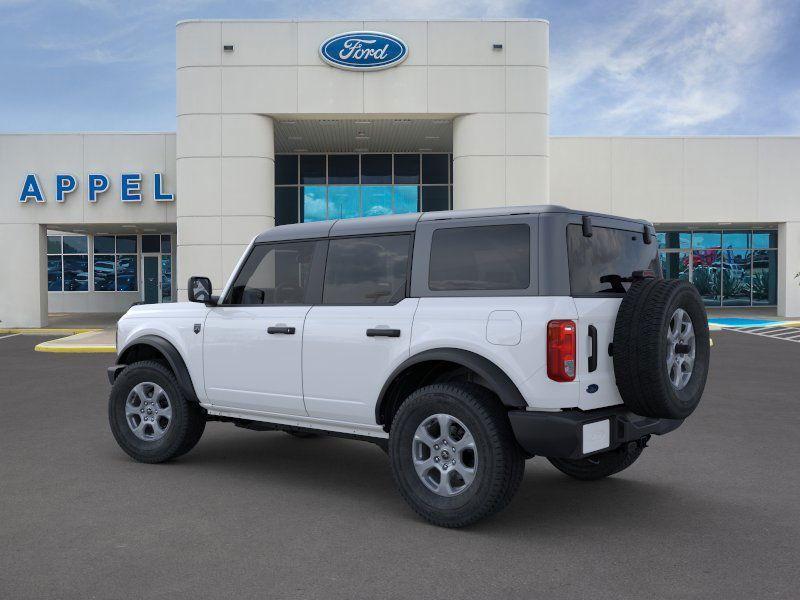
(597, 263)
(366, 270)
(274, 274)
(490, 257)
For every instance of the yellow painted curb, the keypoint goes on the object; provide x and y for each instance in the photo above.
(46, 331)
(44, 347)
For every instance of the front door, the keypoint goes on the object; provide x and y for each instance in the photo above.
(152, 280)
(253, 340)
(362, 330)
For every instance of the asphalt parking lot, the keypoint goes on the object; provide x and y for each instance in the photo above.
(710, 511)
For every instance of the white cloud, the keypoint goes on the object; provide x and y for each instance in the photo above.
(670, 68)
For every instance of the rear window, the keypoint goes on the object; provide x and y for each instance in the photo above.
(491, 257)
(594, 261)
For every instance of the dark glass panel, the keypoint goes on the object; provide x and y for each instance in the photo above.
(166, 278)
(434, 198)
(285, 169)
(76, 273)
(434, 168)
(54, 244)
(151, 243)
(343, 168)
(286, 205)
(104, 244)
(54, 280)
(126, 273)
(406, 168)
(312, 168)
(103, 272)
(166, 244)
(76, 244)
(376, 168)
(126, 244)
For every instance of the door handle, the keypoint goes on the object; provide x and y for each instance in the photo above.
(593, 357)
(281, 329)
(382, 332)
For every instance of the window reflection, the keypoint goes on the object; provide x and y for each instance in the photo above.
(377, 200)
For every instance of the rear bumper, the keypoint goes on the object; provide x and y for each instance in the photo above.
(565, 434)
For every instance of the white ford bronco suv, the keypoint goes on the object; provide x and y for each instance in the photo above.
(462, 342)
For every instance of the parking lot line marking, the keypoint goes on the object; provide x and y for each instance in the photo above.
(2, 337)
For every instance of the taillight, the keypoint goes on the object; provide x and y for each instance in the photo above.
(561, 350)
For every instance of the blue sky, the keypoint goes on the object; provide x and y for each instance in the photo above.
(668, 67)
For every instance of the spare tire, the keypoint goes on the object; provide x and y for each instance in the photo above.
(661, 348)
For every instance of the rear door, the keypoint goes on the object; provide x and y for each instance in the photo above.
(362, 329)
(614, 250)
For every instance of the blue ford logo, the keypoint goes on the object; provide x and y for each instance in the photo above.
(363, 50)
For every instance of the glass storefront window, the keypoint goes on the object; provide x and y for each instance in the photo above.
(75, 244)
(707, 239)
(76, 273)
(376, 168)
(166, 278)
(356, 185)
(736, 278)
(54, 276)
(166, 244)
(126, 244)
(312, 168)
(343, 201)
(151, 243)
(104, 273)
(54, 244)
(313, 203)
(126, 274)
(343, 168)
(765, 277)
(104, 244)
(406, 198)
(736, 239)
(376, 200)
(743, 273)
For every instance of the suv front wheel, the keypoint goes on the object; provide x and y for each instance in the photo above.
(150, 418)
(454, 457)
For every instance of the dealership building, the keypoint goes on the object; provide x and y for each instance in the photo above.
(290, 121)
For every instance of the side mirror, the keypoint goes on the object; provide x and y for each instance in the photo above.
(200, 290)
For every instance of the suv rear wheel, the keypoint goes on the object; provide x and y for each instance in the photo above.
(454, 457)
(150, 418)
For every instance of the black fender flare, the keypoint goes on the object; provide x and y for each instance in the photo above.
(495, 377)
(173, 358)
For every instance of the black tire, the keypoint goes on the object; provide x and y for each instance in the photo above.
(641, 348)
(185, 429)
(500, 464)
(600, 465)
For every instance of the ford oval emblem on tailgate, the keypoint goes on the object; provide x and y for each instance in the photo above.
(363, 50)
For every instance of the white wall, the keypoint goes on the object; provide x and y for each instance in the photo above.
(226, 101)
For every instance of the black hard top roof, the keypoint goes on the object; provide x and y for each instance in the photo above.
(405, 222)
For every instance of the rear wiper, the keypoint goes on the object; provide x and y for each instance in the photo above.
(616, 281)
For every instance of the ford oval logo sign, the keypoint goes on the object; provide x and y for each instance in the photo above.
(363, 50)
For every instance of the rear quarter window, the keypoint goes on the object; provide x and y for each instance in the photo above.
(607, 252)
(491, 257)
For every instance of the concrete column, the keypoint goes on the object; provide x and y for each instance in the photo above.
(500, 160)
(24, 271)
(788, 265)
(226, 178)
